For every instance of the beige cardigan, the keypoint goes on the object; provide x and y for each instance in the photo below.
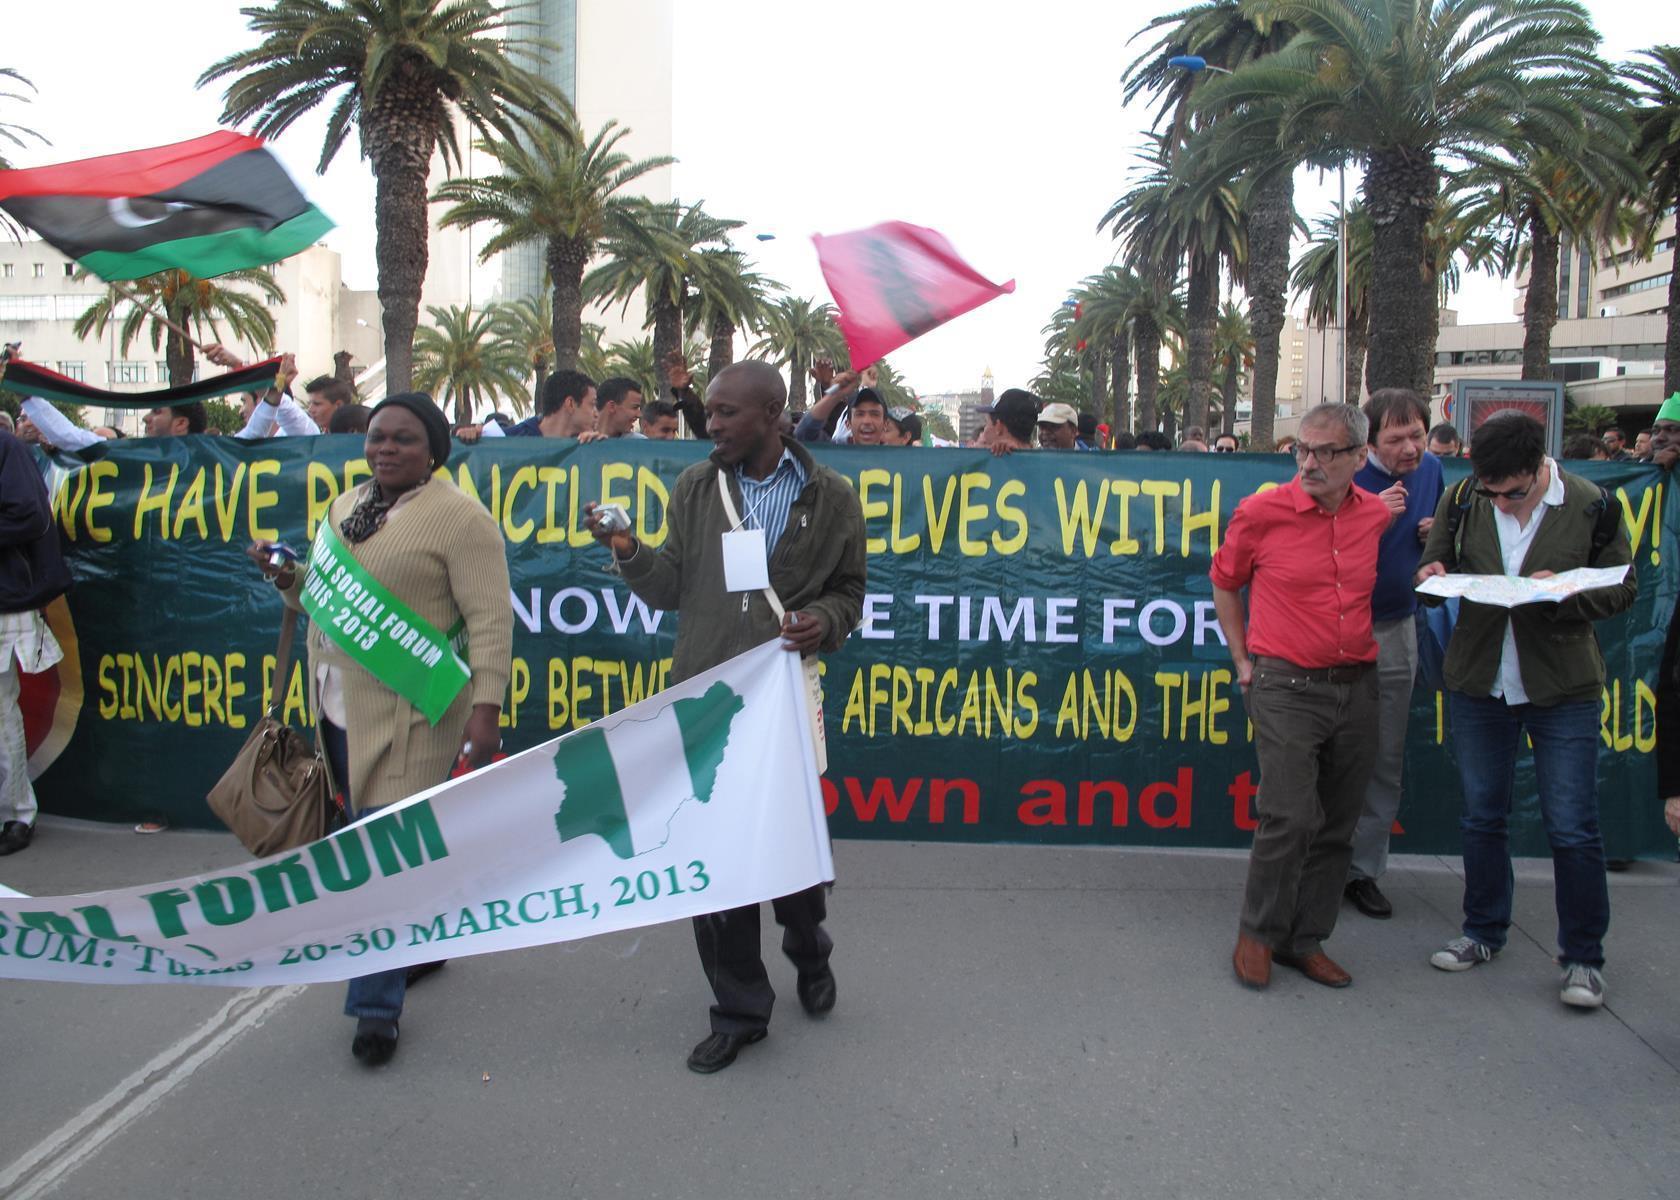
(442, 554)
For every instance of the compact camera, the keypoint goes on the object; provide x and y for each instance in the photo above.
(612, 518)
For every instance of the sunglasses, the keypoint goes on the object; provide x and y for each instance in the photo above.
(1511, 494)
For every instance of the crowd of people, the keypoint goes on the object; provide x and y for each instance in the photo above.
(1314, 586)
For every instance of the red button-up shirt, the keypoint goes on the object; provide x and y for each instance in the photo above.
(1309, 574)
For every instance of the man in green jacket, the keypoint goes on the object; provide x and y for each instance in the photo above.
(1537, 669)
(803, 523)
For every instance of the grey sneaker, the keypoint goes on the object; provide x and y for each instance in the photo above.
(1583, 986)
(1461, 954)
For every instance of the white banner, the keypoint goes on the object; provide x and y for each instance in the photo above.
(704, 797)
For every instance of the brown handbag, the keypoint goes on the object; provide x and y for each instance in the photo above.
(276, 795)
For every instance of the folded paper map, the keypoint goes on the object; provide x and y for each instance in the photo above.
(1508, 591)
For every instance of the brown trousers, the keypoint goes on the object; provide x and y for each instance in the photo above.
(1316, 739)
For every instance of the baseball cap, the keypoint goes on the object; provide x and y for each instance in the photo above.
(1058, 414)
(1013, 406)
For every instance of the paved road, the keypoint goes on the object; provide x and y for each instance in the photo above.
(1013, 1022)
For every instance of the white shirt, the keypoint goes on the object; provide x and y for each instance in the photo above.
(1514, 541)
(56, 428)
(286, 419)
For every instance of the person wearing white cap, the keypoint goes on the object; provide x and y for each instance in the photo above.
(1058, 428)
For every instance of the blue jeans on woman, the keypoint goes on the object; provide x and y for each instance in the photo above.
(1487, 732)
(379, 995)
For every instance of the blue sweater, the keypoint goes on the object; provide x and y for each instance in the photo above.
(1400, 550)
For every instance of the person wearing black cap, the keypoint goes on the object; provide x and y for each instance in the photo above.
(1010, 422)
(442, 555)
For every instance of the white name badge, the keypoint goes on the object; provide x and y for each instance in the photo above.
(746, 564)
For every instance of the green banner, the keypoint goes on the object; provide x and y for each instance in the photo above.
(1038, 661)
(389, 640)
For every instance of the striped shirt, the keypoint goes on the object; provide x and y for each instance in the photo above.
(766, 502)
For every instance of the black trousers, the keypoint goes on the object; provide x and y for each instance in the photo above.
(730, 953)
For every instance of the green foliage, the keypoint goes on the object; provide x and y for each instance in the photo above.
(11, 132)
(1588, 418)
(223, 417)
(459, 360)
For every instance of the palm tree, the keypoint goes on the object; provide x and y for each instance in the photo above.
(1227, 34)
(1108, 305)
(659, 258)
(796, 333)
(1315, 276)
(200, 306)
(460, 358)
(592, 355)
(18, 135)
(528, 324)
(1543, 198)
(728, 296)
(1233, 352)
(1167, 218)
(403, 70)
(890, 386)
(636, 360)
(1657, 145)
(553, 189)
(1399, 86)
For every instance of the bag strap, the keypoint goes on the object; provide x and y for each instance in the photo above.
(1607, 519)
(283, 661)
(1462, 499)
(734, 516)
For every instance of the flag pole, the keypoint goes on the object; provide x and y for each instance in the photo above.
(134, 299)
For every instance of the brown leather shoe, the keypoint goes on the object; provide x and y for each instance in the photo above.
(1252, 961)
(1319, 968)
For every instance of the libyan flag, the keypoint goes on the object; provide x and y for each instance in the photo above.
(30, 379)
(212, 205)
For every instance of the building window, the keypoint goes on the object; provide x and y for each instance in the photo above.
(163, 370)
(40, 271)
(1583, 286)
(1563, 278)
(1638, 285)
(128, 372)
(73, 370)
(7, 271)
(25, 308)
(69, 270)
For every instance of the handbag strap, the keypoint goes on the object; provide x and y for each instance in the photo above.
(283, 661)
(734, 516)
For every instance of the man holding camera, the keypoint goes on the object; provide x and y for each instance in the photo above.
(783, 555)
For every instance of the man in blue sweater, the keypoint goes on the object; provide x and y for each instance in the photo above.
(1408, 478)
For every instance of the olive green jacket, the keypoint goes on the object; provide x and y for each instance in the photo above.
(817, 567)
(1557, 651)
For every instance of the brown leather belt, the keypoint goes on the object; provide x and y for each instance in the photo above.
(1347, 674)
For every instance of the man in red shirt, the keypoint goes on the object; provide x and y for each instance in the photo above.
(1307, 553)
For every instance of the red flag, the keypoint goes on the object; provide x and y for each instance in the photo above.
(893, 282)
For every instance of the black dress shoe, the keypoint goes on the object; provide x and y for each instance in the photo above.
(817, 993)
(375, 1041)
(719, 1050)
(14, 836)
(1367, 897)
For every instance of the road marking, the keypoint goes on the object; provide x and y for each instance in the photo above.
(76, 1142)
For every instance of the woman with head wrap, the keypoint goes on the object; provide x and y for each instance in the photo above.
(439, 553)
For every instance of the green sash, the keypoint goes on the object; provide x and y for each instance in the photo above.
(389, 640)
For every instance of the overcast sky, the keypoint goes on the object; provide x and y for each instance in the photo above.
(999, 125)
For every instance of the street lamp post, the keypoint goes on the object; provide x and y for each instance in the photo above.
(1195, 64)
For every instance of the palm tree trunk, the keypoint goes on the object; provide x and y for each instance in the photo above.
(1099, 382)
(1228, 396)
(1671, 352)
(1148, 339)
(796, 385)
(667, 331)
(400, 228)
(566, 260)
(1271, 217)
(723, 345)
(1358, 340)
(1201, 315)
(1120, 383)
(1540, 308)
(177, 350)
(1400, 190)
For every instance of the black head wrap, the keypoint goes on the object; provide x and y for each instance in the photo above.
(431, 416)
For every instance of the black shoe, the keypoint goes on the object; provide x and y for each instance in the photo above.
(375, 1041)
(719, 1050)
(419, 971)
(14, 836)
(1367, 897)
(816, 993)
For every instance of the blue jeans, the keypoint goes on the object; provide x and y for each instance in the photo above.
(1565, 736)
(379, 995)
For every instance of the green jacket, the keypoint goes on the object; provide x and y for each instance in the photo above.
(818, 566)
(1557, 651)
